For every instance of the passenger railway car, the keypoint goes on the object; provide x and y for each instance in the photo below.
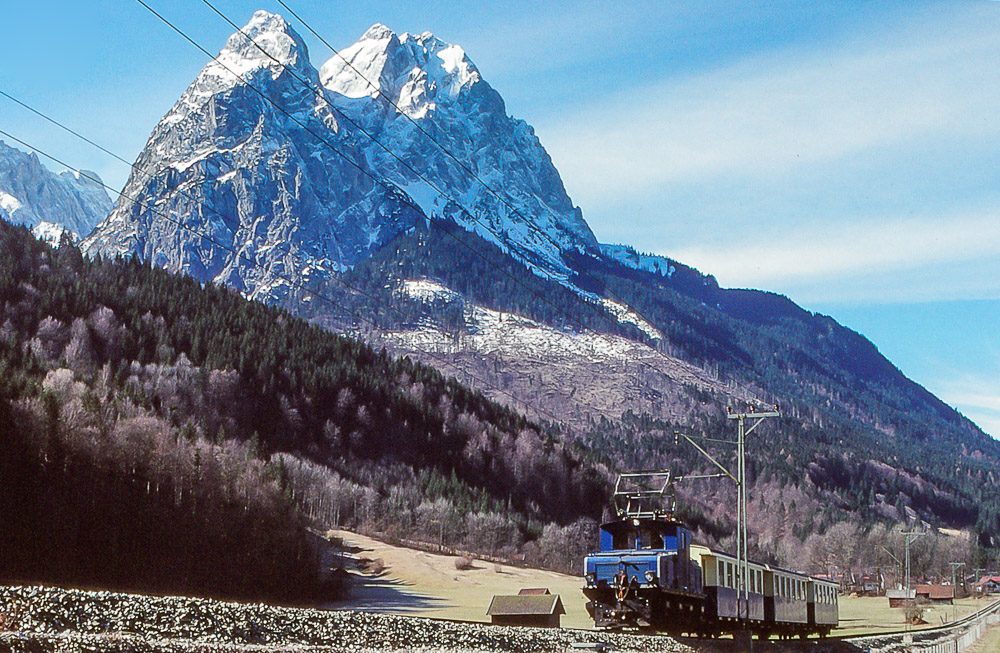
(823, 613)
(722, 591)
(649, 575)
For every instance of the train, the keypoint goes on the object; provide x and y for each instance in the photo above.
(649, 575)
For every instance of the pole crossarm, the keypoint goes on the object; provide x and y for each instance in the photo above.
(725, 472)
(691, 477)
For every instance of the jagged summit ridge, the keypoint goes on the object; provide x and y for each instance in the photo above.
(498, 179)
(414, 71)
(267, 43)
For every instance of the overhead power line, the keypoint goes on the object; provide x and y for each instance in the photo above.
(320, 94)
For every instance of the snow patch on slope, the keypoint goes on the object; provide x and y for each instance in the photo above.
(9, 203)
(429, 291)
(629, 257)
(626, 315)
(52, 234)
(491, 331)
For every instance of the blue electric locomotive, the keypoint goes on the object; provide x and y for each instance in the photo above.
(649, 575)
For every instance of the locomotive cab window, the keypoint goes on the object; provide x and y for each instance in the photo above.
(637, 538)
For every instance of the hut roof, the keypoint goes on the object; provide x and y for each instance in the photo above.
(526, 604)
(937, 591)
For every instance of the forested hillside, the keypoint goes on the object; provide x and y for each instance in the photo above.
(859, 444)
(168, 436)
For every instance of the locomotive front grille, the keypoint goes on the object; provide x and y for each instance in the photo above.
(605, 569)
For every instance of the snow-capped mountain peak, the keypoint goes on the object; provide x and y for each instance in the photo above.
(378, 32)
(499, 180)
(270, 33)
(267, 42)
(254, 163)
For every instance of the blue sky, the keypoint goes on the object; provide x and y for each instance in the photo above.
(843, 154)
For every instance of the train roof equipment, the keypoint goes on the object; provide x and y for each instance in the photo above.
(645, 495)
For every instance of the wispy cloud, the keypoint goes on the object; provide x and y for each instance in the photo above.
(849, 170)
(978, 399)
(930, 252)
(771, 114)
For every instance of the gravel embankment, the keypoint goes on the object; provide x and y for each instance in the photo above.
(43, 620)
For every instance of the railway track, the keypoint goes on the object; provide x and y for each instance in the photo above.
(949, 638)
(935, 639)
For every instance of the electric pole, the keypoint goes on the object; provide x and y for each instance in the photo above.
(755, 417)
(742, 541)
(955, 566)
(911, 537)
(975, 587)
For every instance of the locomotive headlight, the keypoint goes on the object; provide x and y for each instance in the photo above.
(591, 578)
(651, 577)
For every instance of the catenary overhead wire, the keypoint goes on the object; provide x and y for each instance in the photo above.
(290, 281)
(320, 95)
(383, 182)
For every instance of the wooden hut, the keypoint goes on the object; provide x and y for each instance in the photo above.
(897, 598)
(935, 593)
(526, 610)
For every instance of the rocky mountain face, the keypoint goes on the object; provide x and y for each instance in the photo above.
(32, 195)
(269, 175)
(241, 183)
(262, 179)
(451, 145)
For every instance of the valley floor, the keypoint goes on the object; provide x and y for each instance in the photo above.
(429, 584)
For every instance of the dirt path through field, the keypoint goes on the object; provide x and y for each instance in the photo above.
(429, 585)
